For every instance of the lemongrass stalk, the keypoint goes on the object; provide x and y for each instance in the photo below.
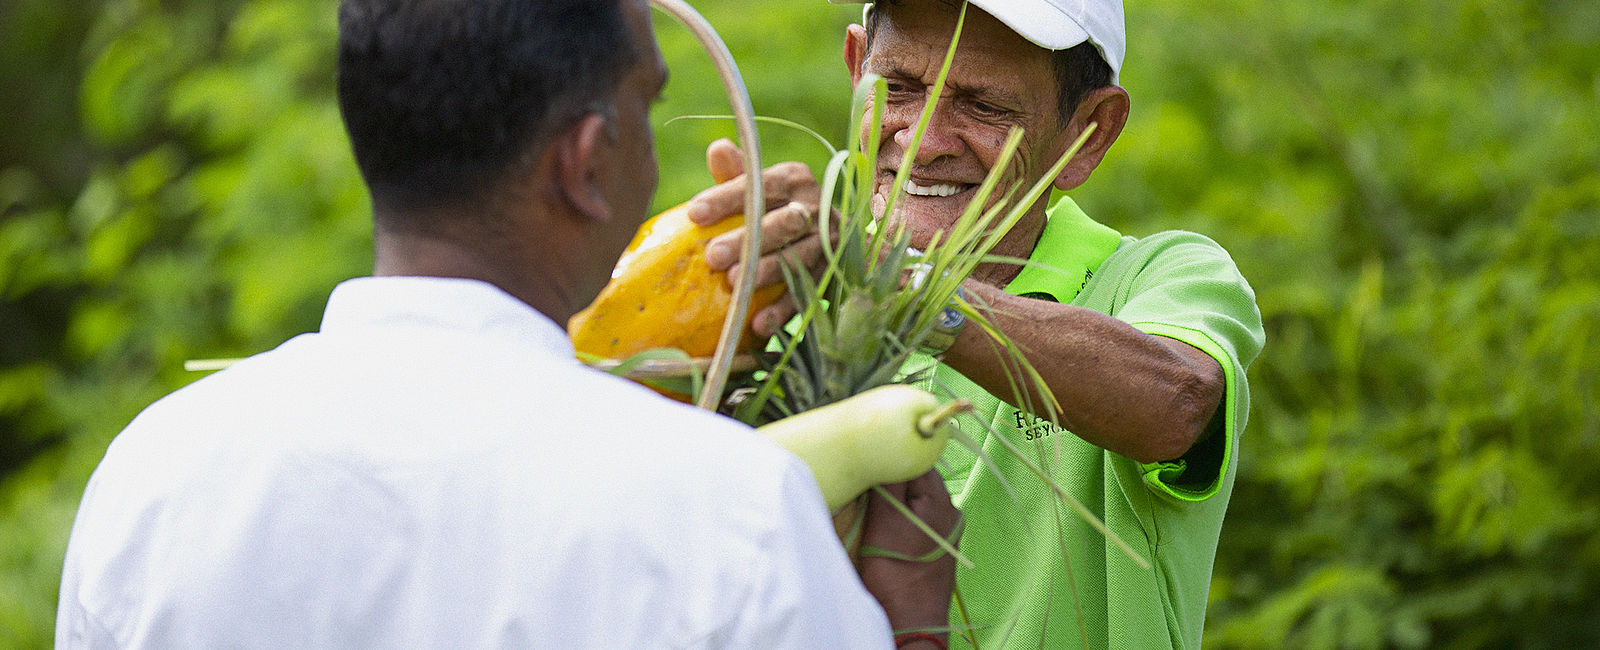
(744, 118)
(766, 119)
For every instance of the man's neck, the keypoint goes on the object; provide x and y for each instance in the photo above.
(1019, 244)
(399, 253)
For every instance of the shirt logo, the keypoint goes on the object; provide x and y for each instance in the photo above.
(1034, 427)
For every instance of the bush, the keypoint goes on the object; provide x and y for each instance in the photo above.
(1409, 186)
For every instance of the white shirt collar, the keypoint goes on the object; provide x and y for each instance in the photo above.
(451, 303)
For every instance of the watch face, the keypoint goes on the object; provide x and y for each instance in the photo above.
(950, 318)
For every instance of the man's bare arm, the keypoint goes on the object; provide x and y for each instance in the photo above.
(1149, 398)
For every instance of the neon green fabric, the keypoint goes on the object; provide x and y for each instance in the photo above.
(1021, 593)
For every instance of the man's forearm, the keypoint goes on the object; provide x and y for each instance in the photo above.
(1146, 397)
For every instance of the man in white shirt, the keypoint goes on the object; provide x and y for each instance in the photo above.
(433, 468)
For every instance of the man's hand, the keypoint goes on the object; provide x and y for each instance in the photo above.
(914, 594)
(788, 230)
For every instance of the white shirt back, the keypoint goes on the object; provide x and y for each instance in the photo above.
(434, 469)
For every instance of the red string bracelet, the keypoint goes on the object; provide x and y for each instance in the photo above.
(900, 640)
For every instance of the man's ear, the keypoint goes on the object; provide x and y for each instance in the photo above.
(1105, 107)
(582, 157)
(855, 51)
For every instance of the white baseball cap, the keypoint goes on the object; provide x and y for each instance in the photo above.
(1059, 24)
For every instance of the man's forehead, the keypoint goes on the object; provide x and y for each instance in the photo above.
(929, 24)
(1049, 24)
(989, 56)
(901, 66)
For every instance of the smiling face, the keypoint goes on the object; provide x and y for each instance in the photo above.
(997, 81)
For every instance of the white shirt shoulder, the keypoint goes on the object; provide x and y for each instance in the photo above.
(448, 475)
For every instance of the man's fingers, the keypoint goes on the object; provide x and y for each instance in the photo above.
(767, 321)
(789, 181)
(925, 489)
(927, 493)
(724, 160)
(786, 226)
(806, 253)
(927, 498)
(781, 228)
(781, 183)
(896, 490)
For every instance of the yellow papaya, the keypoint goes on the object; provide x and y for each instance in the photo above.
(662, 294)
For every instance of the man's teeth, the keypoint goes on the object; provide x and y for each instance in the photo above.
(940, 189)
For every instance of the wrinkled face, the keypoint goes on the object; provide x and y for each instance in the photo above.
(997, 81)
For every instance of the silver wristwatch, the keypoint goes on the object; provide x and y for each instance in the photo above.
(948, 326)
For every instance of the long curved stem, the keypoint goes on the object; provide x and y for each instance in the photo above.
(754, 206)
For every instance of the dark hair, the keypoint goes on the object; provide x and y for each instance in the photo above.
(1079, 69)
(443, 98)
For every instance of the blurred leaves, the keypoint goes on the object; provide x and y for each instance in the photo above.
(217, 206)
(1410, 187)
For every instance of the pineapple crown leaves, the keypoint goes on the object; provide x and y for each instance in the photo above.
(860, 321)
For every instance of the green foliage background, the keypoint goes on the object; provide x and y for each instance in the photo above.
(1411, 187)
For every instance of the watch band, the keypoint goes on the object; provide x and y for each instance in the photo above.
(944, 331)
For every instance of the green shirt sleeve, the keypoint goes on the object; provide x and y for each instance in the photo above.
(1184, 286)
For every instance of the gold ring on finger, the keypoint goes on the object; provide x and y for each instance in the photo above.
(805, 212)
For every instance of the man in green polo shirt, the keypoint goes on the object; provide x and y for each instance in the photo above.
(1143, 341)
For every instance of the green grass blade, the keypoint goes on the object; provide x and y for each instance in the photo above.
(927, 115)
(767, 120)
(924, 527)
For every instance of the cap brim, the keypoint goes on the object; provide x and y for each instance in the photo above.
(1042, 24)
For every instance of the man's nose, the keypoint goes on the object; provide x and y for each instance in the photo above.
(939, 140)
